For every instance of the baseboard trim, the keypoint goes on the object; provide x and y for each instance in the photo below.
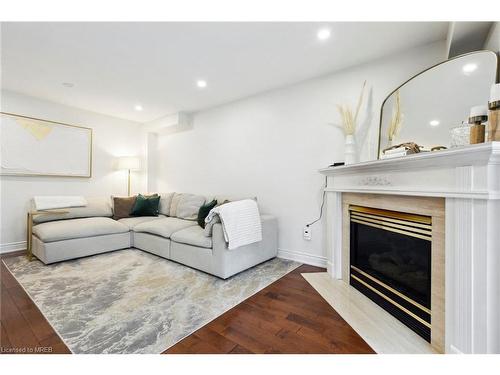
(12, 246)
(313, 260)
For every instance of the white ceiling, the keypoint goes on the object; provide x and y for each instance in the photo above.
(115, 66)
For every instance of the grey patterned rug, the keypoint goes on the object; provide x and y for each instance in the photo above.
(130, 301)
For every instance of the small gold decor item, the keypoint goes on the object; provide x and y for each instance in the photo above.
(494, 114)
(478, 117)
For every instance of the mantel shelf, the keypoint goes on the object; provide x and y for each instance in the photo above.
(467, 172)
(480, 154)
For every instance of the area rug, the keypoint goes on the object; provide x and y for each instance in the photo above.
(130, 301)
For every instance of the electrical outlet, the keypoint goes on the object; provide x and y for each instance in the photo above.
(307, 233)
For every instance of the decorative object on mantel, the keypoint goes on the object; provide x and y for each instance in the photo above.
(349, 122)
(402, 149)
(478, 117)
(460, 135)
(438, 148)
(494, 114)
(396, 120)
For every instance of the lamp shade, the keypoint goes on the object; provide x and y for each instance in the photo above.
(129, 162)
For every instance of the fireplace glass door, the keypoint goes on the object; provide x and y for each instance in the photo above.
(390, 259)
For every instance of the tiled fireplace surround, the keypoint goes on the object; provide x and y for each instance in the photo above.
(460, 189)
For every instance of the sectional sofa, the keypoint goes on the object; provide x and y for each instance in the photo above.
(174, 234)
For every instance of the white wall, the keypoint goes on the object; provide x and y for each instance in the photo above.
(112, 137)
(272, 145)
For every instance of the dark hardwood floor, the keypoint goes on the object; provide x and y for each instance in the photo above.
(288, 316)
(24, 328)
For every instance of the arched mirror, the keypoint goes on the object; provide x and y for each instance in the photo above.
(432, 106)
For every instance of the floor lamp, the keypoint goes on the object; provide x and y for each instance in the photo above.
(129, 163)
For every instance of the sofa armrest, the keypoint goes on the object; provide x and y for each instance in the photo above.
(269, 233)
(229, 262)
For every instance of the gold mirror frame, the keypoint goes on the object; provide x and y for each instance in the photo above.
(422, 72)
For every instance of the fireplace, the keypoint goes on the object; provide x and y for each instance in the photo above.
(391, 263)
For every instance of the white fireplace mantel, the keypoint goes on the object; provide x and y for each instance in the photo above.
(469, 180)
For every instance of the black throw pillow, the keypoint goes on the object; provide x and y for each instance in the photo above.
(146, 205)
(204, 211)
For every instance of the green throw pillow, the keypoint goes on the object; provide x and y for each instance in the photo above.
(146, 205)
(204, 211)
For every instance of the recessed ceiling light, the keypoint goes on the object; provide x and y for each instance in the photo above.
(138, 107)
(323, 34)
(469, 68)
(434, 123)
(201, 83)
(68, 84)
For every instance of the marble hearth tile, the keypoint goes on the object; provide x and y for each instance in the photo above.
(384, 333)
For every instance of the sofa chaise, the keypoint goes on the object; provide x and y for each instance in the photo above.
(174, 234)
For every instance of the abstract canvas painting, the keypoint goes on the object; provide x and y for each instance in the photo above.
(35, 147)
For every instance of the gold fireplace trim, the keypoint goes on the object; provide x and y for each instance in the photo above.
(392, 290)
(392, 214)
(416, 317)
(417, 226)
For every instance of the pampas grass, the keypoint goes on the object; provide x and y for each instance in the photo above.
(349, 119)
(396, 120)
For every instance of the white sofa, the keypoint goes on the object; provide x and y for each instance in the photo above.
(84, 231)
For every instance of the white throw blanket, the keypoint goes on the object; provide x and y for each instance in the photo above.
(240, 222)
(49, 202)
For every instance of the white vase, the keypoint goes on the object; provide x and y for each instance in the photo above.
(351, 155)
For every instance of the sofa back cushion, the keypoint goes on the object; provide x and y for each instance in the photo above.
(96, 207)
(165, 203)
(186, 206)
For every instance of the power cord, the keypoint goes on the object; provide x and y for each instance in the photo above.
(322, 205)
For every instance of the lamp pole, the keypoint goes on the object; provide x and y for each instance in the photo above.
(128, 190)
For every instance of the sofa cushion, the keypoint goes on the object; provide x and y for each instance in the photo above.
(165, 202)
(163, 227)
(131, 222)
(192, 236)
(78, 228)
(186, 206)
(95, 207)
